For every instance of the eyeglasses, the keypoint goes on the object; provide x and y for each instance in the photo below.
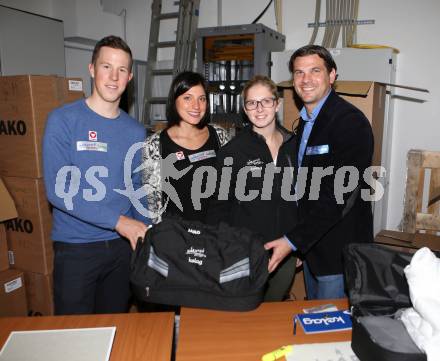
(265, 103)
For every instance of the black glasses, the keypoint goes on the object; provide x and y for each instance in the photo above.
(253, 104)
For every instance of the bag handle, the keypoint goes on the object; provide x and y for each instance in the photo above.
(137, 251)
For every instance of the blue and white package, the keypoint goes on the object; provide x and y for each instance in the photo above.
(324, 321)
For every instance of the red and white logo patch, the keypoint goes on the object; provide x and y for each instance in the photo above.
(93, 136)
(180, 155)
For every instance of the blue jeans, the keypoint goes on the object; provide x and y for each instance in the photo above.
(323, 287)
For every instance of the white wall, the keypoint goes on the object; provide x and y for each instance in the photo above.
(410, 26)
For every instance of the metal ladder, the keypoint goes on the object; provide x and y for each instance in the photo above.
(184, 47)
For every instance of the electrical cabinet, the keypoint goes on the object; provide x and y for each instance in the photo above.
(228, 56)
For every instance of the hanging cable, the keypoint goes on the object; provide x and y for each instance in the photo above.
(262, 13)
(316, 23)
(335, 23)
(279, 15)
(352, 22)
(219, 13)
(331, 25)
(344, 23)
(355, 17)
(338, 21)
(350, 19)
(327, 7)
(334, 20)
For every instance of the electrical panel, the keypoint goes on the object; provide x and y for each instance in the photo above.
(228, 56)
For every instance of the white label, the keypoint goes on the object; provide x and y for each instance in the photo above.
(76, 85)
(196, 157)
(13, 285)
(11, 257)
(91, 146)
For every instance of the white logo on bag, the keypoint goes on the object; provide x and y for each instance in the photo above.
(255, 162)
(193, 231)
(195, 260)
(197, 253)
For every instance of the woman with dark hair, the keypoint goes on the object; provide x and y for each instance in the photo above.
(261, 153)
(190, 140)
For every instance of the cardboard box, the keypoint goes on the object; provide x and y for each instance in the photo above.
(4, 263)
(367, 96)
(39, 294)
(29, 243)
(7, 211)
(25, 102)
(12, 293)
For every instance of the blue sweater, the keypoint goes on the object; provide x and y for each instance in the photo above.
(83, 157)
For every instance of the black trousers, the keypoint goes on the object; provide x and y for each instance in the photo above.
(91, 277)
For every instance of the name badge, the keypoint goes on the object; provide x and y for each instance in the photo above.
(91, 146)
(196, 157)
(318, 149)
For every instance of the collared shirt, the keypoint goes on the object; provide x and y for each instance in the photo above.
(309, 122)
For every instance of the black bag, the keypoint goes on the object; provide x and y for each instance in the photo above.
(377, 290)
(191, 264)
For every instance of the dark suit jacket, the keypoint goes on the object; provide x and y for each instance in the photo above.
(324, 227)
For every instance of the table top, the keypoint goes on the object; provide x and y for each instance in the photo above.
(220, 335)
(138, 337)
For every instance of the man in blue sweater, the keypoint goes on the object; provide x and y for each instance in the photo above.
(84, 153)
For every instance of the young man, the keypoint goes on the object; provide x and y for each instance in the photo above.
(84, 148)
(333, 135)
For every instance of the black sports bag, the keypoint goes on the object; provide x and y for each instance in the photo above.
(191, 264)
(378, 290)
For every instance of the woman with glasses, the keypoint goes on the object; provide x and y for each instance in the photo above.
(258, 158)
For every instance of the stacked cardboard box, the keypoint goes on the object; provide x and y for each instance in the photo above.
(25, 102)
(7, 211)
(12, 286)
(4, 264)
(12, 293)
(30, 246)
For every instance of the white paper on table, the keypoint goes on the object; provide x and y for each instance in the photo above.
(329, 351)
(78, 344)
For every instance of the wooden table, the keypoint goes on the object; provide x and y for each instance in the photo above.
(218, 336)
(139, 336)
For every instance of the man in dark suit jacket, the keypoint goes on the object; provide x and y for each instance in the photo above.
(335, 146)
